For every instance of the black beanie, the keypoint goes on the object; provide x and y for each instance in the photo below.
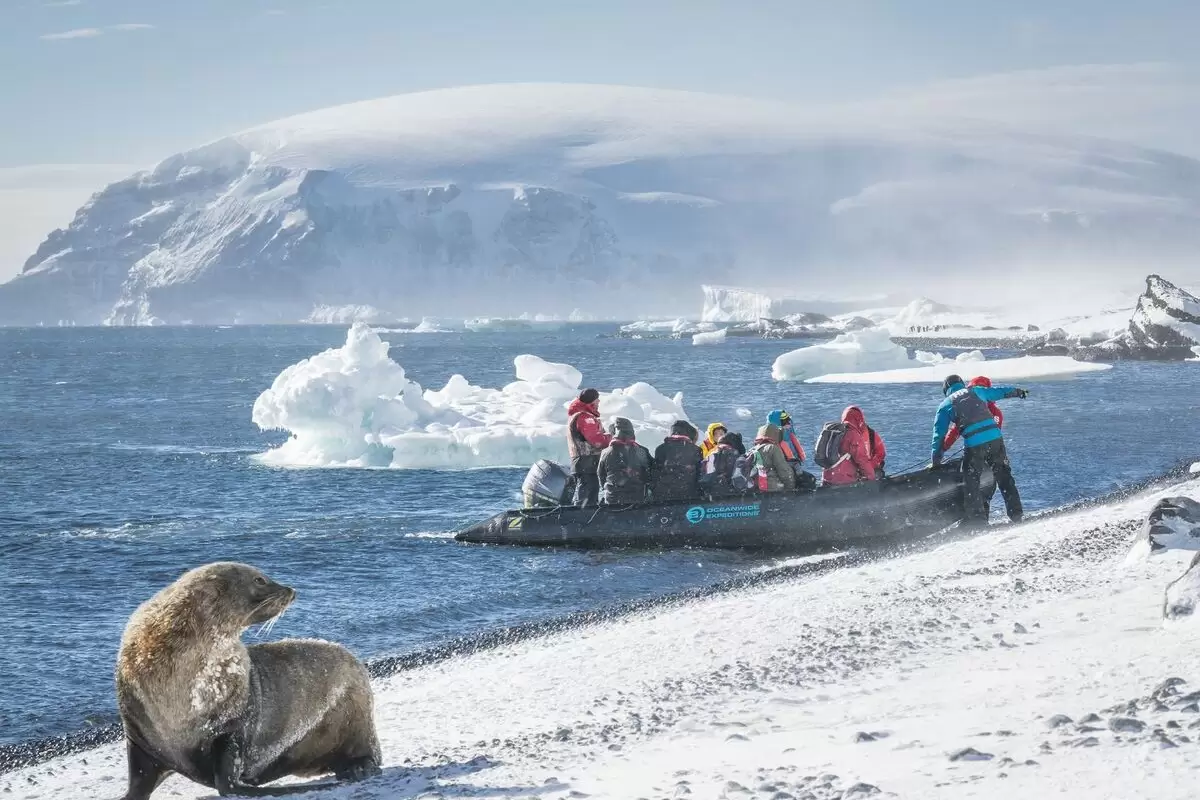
(950, 381)
(681, 427)
(589, 396)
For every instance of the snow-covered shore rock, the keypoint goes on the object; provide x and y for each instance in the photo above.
(1165, 326)
(353, 406)
(1027, 661)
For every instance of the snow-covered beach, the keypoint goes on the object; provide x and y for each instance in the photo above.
(1029, 660)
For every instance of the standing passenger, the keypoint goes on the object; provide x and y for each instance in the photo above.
(966, 407)
(585, 439)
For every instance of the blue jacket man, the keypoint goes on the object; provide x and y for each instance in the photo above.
(966, 407)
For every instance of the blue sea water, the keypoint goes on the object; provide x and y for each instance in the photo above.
(126, 457)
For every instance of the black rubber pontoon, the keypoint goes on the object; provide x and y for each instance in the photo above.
(897, 508)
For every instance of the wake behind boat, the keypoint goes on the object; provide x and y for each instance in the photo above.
(894, 509)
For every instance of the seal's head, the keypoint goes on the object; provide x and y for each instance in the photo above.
(237, 594)
(225, 597)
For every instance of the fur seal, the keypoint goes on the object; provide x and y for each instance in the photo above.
(195, 700)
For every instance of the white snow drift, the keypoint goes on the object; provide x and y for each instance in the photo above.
(875, 677)
(354, 406)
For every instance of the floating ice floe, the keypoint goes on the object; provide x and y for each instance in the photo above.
(353, 406)
(867, 350)
(712, 337)
(1025, 368)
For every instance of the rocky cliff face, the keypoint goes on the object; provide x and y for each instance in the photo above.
(1165, 326)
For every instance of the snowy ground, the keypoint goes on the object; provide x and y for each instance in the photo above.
(852, 681)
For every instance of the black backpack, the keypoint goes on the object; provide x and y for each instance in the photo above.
(827, 453)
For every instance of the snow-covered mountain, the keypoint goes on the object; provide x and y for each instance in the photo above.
(1165, 325)
(497, 200)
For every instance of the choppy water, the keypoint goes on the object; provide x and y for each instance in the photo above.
(126, 458)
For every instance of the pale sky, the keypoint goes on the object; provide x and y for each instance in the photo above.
(96, 87)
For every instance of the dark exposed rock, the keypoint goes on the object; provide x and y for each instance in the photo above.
(1058, 720)
(1126, 725)
(970, 754)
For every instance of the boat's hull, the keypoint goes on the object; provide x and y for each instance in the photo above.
(895, 508)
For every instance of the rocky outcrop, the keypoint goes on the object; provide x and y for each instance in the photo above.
(1165, 326)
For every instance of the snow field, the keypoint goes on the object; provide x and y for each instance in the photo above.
(938, 674)
(353, 406)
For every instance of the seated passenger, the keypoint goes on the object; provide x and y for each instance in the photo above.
(677, 464)
(624, 470)
(845, 450)
(710, 441)
(792, 449)
(771, 471)
(719, 476)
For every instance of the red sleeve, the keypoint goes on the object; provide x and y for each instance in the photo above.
(590, 429)
(860, 454)
(951, 438)
(878, 450)
(997, 414)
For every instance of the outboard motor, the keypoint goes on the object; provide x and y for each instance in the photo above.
(547, 484)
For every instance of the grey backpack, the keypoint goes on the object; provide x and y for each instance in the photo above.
(828, 451)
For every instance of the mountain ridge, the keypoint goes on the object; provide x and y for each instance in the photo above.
(551, 197)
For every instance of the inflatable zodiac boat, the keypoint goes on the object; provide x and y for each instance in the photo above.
(897, 508)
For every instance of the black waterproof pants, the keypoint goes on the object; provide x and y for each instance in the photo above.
(587, 482)
(991, 454)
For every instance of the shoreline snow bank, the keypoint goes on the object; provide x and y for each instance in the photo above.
(1025, 368)
(867, 350)
(978, 643)
(353, 406)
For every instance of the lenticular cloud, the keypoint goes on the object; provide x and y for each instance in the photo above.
(353, 406)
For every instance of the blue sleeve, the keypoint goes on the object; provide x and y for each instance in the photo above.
(991, 394)
(941, 424)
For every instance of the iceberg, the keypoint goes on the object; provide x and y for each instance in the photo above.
(870, 349)
(353, 406)
(1024, 368)
(712, 337)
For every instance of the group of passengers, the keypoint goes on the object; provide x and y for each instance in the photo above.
(611, 467)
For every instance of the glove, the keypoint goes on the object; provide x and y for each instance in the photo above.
(1021, 393)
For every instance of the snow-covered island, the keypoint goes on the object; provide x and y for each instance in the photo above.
(487, 201)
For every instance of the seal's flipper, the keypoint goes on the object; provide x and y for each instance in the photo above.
(145, 774)
(227, 775)
(359, 770)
